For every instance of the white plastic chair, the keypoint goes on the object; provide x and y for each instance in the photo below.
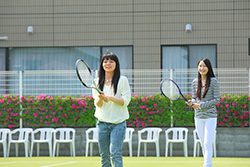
(23, 137)
(197, 143)
(65, 135)
(42, 135)
(91, 140)
(128, 139)
(179, 135)
(3, 139)
(153, 135)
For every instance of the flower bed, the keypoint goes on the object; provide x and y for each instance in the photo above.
(145, 111)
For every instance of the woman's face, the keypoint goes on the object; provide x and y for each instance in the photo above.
(109, 65)
(202, 69)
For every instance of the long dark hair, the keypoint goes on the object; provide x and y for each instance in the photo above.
(101, 72)
(210, 74)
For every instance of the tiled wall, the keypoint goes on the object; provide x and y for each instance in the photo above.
(144, 24)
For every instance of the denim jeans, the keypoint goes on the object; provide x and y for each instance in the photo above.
(206, 129)
(110, 142)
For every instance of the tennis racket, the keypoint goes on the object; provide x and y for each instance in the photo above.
(171, 90)
(85, 75)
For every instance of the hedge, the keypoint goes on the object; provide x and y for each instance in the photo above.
(145, 111)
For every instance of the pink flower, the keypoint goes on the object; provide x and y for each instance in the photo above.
(155, 105)
(227, 105)
(142, 107)
(246, 123)
(55, 119)
(234, 104)
(221, 123)
(244, 106)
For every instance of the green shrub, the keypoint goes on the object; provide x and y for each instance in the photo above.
(145, 111)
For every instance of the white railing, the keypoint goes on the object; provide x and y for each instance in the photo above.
(142, 81)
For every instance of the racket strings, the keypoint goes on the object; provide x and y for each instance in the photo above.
(85, 75)
(170, 90)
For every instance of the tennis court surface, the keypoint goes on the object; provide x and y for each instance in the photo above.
(128, 162)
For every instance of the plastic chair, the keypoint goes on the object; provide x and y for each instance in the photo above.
(128, 139)
(197, 143)
(93, 139)
(179, 135)
(65, 135)
(23, 137)
(3, 139)
(44, 135)
(153, 135)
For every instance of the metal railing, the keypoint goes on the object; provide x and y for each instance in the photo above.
(142, 81)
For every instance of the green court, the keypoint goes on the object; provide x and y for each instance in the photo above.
(128, 162)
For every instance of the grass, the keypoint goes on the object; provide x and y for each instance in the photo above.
(128, 162)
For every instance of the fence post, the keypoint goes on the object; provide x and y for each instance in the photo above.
(248, 81)
(249, 91)
(171, 102)
(20, 95)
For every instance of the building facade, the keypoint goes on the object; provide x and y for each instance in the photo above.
(146, 34)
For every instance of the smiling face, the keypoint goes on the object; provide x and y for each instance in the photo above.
(109, 65)
(202, 69)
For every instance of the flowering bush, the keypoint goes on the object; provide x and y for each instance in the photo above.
(233, 110)
(145, 111)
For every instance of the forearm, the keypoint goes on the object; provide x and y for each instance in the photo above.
(99, 102)
(116, 100)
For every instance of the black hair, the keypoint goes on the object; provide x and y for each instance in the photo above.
(101, 72)
(210, 74)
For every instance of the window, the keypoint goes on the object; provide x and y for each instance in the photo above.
(174, 57)
(21, 59)
(58, 58)
(124, 53)
(182, 58)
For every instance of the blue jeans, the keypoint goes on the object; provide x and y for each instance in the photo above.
(110, 142)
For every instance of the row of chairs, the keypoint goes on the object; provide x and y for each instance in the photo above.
(40, 135)
(152, 135)
(67, 135)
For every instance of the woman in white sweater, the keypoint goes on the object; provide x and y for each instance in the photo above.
(111, 110)
(206, 94)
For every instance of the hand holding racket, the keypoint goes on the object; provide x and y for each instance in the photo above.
(171, 90)
(85, 75)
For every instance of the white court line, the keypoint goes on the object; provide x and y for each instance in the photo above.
(7, 163)
(60, 164)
